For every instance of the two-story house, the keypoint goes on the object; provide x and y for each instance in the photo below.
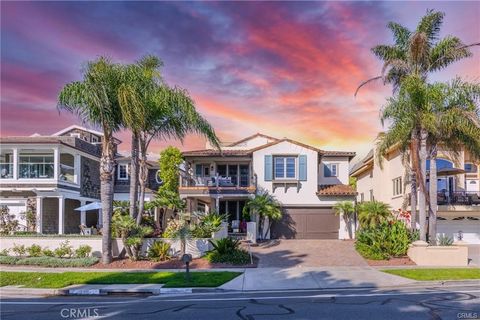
(458, 185)
(306, 181)
(53, 175)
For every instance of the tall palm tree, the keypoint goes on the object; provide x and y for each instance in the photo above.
(418, 53)
(457, 124)
(95, 100)
(138, 80)
(160, 112)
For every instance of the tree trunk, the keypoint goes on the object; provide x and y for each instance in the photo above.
(143, 175)
(134, 176)
(106, 196)
(432, 212)
(422, 197)
(413, 201)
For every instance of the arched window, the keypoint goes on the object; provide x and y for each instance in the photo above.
(470, 167)
(441, 164)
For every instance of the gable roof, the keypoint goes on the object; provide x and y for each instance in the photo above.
(362, 163)
(65, 130)
(253, 136)
(247, 152)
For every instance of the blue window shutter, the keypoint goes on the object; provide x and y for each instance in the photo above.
(268, 168)
(198, 169)
(326, 171)
(302, 167)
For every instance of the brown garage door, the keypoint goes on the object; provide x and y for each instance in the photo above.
(306, 223)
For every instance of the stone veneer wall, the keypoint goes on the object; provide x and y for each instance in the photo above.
(50, 215)
(90, 181)
(72, 217)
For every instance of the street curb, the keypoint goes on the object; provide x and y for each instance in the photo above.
(173, 291)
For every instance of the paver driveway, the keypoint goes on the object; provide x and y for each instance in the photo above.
(307, 253)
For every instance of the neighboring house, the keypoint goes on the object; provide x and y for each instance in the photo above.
(458, 187)
(53, 175)
(122, 179)
(307, 182)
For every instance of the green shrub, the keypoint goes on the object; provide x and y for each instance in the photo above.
(34, 251)
(19, 250)
(49, 261)
(8, 259)
(24, 233)
(83, 251)
(386, 240)
(225, 246)
(237, 257)
(159, 251)
(4, 252)
(444, 240)
(48, 253)
(207, 224)
(64, 250)
(125, 227)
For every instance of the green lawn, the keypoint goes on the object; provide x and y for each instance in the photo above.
(60, 280)
(437, 274)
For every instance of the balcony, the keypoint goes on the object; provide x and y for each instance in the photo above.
(198, 185)
(458, 198)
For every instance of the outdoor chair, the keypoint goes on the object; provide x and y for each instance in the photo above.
(475, 199)
(441, 198)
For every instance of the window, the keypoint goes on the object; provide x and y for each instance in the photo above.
(470, 168)
(157, 177)
(202, 170)
(372, 198)
(36, 166)
(94, 139)
(362, 197)
(331, 170)
(397, 186)
(122, 172)
(285, 168)
(76, 135)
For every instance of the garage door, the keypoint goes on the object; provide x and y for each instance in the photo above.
(470, 229)
(306, 223)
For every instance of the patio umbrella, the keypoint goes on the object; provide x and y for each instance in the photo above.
(90, 206)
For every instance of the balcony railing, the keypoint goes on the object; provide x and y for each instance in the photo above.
(217, 181)
(458, 198)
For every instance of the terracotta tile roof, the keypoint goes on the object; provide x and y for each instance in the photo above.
(336, 190)
(217, 153)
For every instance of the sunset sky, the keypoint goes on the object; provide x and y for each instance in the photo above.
(286, 69)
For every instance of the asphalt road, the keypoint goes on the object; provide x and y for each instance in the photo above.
(460, 302)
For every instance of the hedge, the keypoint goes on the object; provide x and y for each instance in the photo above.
(49, 261)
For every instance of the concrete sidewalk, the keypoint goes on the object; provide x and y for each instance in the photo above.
(313, 278)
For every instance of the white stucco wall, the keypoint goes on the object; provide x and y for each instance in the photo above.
(343, 164)
(306, 195)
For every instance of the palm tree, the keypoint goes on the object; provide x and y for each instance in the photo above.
(95, 100)
(457, 125)
(153, 110)
(346, 209)
(418, 53)
(267, 207)
(138, 80)
(373, 213)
